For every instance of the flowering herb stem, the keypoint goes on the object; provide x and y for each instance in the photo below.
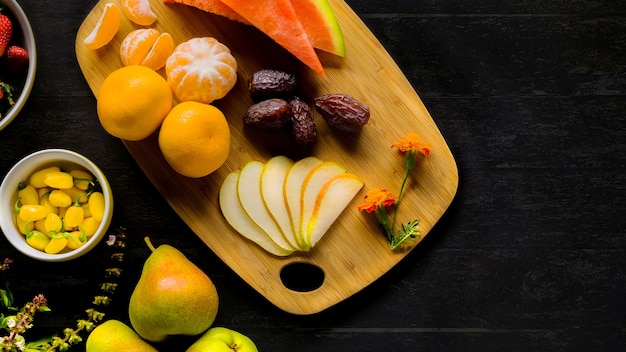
(377, 200)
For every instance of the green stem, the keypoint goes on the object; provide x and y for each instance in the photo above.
(409, 162)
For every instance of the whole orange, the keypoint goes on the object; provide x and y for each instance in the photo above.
(195, 139)
(133, 101)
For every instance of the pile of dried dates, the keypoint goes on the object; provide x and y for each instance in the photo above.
(278, 105)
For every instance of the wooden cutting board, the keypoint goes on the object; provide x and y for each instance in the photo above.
(353, 253)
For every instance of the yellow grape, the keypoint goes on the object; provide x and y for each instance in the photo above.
(23, 225)
(76, 195)
(86, 209)
(37, 240)
(58, 179)
(53, 223)
(81, 179)
(55, 245)
(40, 225)
(73, 217)
(37, 179)
(28, 195)
(96, 205)
(32, 212)
(59, 198)
(90, 225)
(75, 239)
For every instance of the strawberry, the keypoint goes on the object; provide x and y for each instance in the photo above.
(14, 59)
(6, 32)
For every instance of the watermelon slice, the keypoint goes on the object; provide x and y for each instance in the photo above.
(321, 25)
(216, 7)
(278, 20)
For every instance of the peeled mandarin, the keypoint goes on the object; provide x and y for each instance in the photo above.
(106, 28)
(139, 11)
(147, 47)
(201, 70)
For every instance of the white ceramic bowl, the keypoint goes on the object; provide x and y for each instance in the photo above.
(21, 172)
(24, 31)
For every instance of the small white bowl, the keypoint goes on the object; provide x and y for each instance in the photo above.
(21, 172)
(27, 41)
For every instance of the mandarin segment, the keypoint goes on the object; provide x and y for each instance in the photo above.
(147, 47)
(161, 50)
(106, 28)
(202, 70)
(139, 11)
(136, 45)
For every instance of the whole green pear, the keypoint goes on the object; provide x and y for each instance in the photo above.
(219, 339)
(115, 335)
(172, 297)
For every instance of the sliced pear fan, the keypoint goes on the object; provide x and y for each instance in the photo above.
(237, 217)
(286, 206)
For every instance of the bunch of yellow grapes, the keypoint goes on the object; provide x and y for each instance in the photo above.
(59, 210)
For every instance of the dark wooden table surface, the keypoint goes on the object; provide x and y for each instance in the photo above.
(531, 256)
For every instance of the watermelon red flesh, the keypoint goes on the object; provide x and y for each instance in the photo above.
(321, 25)
(216, 7)
(278, 20)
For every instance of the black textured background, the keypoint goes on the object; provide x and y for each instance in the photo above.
(531, 256)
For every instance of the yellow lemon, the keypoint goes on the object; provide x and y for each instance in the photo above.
(195, 139)
(133, 101)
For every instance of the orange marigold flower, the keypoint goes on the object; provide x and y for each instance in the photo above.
(412, 141)
(376, 197)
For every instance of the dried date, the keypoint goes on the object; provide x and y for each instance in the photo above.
(267, 83)
(342, 111)
(268, 114)
(302, 122)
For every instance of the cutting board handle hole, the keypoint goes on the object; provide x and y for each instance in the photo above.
(302, 277)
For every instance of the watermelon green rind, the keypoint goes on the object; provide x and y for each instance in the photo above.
(321, 25)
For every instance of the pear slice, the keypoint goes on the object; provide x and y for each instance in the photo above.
(312, 185)
(272, 180)
(249, 192)
(329, 203)
(237, 217)
(291, 192)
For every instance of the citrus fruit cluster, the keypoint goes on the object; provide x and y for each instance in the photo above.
(107, 26)
(59, 210)
(143, 46)
(135, 101)
(200, 69)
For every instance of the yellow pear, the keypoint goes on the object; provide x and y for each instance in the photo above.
(172, 297)
(113, 334)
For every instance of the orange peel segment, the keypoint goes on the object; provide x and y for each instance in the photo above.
(202, 70)
(106, 28)
(139, 12)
